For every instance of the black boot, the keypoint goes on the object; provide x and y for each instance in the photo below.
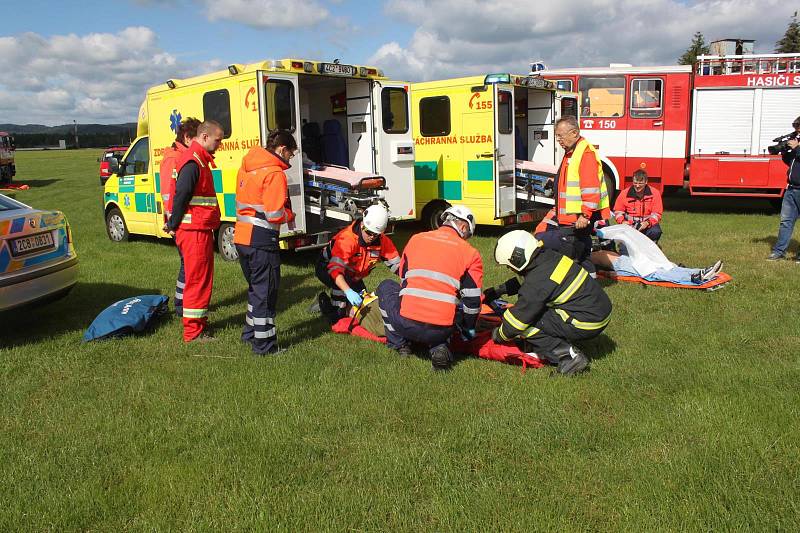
(441, 358)
(327, 309)
(571, 361)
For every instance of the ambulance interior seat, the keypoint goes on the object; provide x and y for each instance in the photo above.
(334, 146)
(312, 141)
(519, 145)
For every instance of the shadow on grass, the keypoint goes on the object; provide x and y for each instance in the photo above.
(73, 313)
(38, 183)
(681, 201)
(772, 239)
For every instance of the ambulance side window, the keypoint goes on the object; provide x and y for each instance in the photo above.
(138, 158)
(646, 98)
(505, 120)
(280, 105)
(217, 107)
(434, 116)
(394, 110)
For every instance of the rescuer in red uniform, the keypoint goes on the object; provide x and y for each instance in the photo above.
(262, 205)
(195, 216)
(640, 206)
(168, 175)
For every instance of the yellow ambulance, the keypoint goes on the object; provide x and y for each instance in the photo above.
(487, 142)
(346, 118)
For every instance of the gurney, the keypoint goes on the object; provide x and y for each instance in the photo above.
(534, 179)
(368, 324)
(339, 192)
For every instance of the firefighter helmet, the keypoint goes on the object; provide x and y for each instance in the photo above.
(461, 212)
(515, 249)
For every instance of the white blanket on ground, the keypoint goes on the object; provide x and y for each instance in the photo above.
(645, 255)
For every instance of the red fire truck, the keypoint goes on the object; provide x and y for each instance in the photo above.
(7, 148)
(706, 128)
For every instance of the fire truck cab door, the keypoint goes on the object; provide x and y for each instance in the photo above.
(394, 146)
(644, 143)
(504, 164)
(280, 109)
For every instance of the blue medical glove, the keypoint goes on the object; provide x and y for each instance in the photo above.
(353, 297)
(468, 334)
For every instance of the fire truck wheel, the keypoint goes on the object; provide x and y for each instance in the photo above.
(611, 187)
(431, 215)
(225, 244)
(115, 226)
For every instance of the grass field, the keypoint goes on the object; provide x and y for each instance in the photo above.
(688, 419)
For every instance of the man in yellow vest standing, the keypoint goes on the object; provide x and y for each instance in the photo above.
(580, 194)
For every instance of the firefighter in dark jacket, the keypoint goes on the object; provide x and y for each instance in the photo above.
(558, 302)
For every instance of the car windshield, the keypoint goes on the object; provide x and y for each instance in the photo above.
(7, 204)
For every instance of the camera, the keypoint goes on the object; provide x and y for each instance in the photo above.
(782, 143)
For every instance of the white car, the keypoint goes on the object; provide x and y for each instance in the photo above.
(37, 256)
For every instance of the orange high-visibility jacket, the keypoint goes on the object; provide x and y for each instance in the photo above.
(630, 209)
(203, 210)
(437, 268)
(262, 199)
(347, 254)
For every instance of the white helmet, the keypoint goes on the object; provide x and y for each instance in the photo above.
(376, 218)
(460, 212)
(515, 249)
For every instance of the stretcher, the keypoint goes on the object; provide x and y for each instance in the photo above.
(14, 187)
(720, 281)
(338, 192)
(534, 178)
(368, 324)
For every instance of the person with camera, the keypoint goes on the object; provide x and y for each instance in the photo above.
(790, 207)
(640, 206)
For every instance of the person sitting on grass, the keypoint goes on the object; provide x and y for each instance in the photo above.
(640, 206)
(642, 258)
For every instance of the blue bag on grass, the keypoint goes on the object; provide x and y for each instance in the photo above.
(131, 315)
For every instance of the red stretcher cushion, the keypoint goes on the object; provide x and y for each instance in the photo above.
(719, 282)
(481, 346)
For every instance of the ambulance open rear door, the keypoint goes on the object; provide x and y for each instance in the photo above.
(394, 146)
(504, 165)
(280, 109)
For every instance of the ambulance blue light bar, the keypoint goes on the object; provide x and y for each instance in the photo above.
(497, 78)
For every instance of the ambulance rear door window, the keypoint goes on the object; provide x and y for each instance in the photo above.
(217, 107)
(434, 116)
(280, 113)
(394, 102)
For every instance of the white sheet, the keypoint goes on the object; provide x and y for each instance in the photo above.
(644, 254)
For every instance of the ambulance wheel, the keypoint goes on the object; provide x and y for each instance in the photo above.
(432, 214)
(225, 244)
(115, 226)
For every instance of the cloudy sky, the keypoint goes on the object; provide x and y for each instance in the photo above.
(91, 61)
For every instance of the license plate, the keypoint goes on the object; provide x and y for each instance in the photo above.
(31, 244)
(337, 69)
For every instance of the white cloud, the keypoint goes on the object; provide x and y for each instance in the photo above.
(459, 37)
(267, 13)
(95, 77)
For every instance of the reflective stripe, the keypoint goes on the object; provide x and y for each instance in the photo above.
(264, 334)
(573, 287)
(384, 314)
(180, 285)
(337, 292)
(260, 209)
(248, 321)
(204, 200)
(552, 222)
(590, 190)
(582, 325)
(388, 326)
(530, 332)
(591, 205)
(576, 198)
(250, 308)
(262, 321)
(471, 310)
(502, 335)
(187, 218)
(470, 293)
(165, 196)
(258, 222)
(339, 261)
(430, 295)
(194, 313)
(561, 269)
(512, 320)
(432, 274)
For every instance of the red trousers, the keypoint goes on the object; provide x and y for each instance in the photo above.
(197, 249)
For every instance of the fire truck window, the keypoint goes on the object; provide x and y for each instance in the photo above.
(646, 98)
(138, 158)
(569, 107)
(564, 85)
(434, 116)
(280, 113)
(394, 102)
(505, 117)
(602, 97)
(217, 107)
